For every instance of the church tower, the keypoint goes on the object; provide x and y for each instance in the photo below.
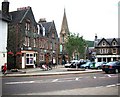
(64, 31)
(63, 36)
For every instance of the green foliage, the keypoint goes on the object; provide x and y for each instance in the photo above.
(75, 43)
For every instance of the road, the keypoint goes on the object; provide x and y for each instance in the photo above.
(72, 84)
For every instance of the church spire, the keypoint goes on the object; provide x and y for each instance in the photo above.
(64, 26)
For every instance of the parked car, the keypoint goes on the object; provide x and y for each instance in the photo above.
(81, 62)
(112, 67)
(86, 65)
(97, 65)
(70, 64)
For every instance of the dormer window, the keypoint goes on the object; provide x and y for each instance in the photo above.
(43, 31)
(103, 43)
(114, 43)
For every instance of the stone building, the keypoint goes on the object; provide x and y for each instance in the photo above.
(49, 41)
(4, 20)
(107, 49)
(22, 39)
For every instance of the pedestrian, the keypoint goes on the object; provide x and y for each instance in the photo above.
(54, 62)
(4, 69)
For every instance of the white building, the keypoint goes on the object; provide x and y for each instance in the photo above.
(107, 49)
(3, 32)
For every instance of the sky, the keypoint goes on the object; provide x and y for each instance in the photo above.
(86, 17)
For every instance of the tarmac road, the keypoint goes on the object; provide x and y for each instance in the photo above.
(73, 84)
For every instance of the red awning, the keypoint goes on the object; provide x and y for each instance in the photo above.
(18, 53)
(10, 53)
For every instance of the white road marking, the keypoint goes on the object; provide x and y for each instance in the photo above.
(111, 85)
(20, 82)
(118, 84)
(109, 75)
(60, 80)
(77, 79)
(94, 77)
(55, 80)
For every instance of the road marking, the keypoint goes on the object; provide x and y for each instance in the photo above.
(111, 85)
(99, 87)
(109, 75)
(55, 80)
(76, 78)
(94, 77)
(20, 82)
(118, 84)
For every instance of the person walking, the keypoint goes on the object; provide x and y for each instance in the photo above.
(4, 69)
(54, 62)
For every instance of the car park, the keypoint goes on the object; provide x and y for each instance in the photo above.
(112, 67)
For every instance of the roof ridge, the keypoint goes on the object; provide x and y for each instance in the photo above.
(24, 15)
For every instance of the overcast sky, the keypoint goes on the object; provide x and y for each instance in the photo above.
(86, 17)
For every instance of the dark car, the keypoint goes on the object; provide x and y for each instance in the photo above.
(112, 67)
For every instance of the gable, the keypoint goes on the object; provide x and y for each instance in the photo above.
(21, 14)
(114, 42)
(103, 42)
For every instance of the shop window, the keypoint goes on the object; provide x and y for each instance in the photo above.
(29, 59)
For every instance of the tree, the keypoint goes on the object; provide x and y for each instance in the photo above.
(75, 43)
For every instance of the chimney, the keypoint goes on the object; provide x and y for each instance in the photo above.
(95, 40)
(5, 7)
(42, 20)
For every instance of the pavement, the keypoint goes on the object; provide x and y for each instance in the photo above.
(58, 70)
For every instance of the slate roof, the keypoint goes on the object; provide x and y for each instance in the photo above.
(109, 40)
(19, 15)
(48, 26)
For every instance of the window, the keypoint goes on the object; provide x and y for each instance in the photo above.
(53, 35)
(34, 42)
(114, 43)
(104, 51)
(29, 59)
(51, 45)
(114, 51)
(103, 43)
(43, 31)
(3, 55)
(28, 41)
(27, 27)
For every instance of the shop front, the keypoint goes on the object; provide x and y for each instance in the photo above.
(29, 59)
